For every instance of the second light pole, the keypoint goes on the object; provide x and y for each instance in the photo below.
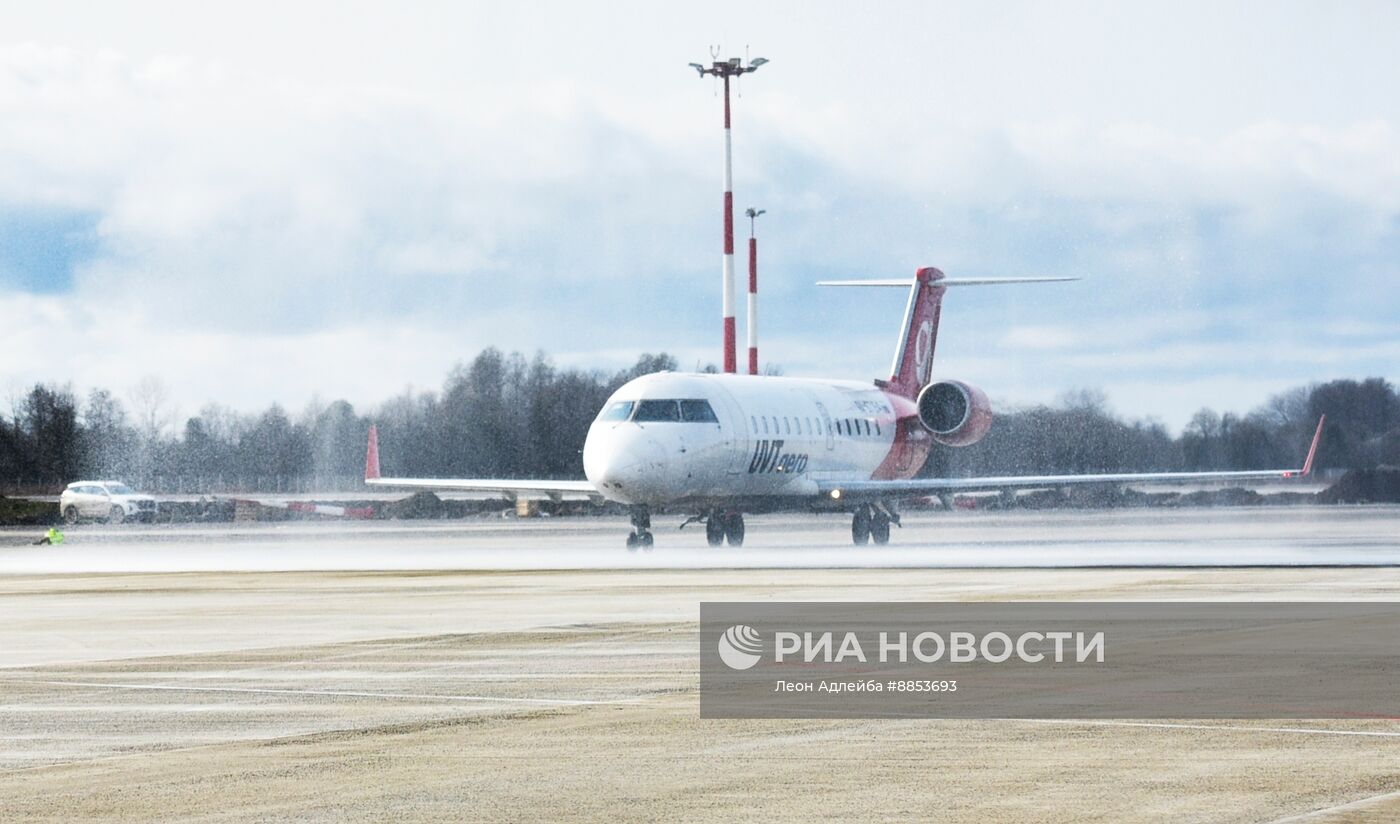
(753, 290)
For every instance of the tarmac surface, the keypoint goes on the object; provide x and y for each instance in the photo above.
(1238, 536)
(485, 670)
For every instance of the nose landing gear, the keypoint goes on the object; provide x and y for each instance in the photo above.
(641, 530)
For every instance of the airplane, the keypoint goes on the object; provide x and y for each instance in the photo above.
(718, 446)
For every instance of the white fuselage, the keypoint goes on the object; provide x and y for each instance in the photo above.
(740, 437)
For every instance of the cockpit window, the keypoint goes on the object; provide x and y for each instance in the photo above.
(690, 410)
(652, 411)
(620, 411)
(697, 411)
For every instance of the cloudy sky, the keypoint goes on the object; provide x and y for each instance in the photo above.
(263, 202)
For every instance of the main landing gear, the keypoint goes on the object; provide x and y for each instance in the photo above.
(871, 522)
(641, 530)
(721, 526)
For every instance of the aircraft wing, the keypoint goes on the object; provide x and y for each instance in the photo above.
(511, 488)
(932, 486)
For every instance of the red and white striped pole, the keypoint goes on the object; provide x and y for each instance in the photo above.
(753, 290)
(725, 69)
(730, 360)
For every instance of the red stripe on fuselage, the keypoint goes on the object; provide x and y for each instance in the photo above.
(911, 444)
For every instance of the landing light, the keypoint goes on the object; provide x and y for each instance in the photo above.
(836, 494)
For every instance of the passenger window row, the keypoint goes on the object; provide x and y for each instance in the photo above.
(775, 425)
(857, 427)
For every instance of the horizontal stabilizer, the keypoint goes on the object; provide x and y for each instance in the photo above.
(907, 282)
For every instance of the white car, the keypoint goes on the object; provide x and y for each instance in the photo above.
(112, 501)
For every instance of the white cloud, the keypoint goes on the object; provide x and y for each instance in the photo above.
(1039, 338)
(102, 348)
(546, 186)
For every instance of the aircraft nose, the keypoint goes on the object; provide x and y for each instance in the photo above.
(617, 462)
(612, 472)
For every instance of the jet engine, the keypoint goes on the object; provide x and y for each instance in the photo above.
(956, 413)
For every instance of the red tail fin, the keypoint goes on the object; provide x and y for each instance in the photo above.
(372, 454)
(1312, 450)
(913, 360)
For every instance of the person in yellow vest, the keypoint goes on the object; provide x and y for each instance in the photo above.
(52, 537)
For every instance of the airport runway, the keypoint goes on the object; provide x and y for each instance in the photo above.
(323, 672)
(1242, 536)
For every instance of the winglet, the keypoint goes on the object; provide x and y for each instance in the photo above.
(372, 454)
(1312, 450)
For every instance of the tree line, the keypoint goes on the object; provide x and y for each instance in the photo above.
(1080, 434)
(508, 416)
(497, 416)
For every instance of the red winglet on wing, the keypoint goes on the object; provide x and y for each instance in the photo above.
(1312, 450)
(372, 454)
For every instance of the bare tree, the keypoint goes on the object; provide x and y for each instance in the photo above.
(155, 417)
(151, 406)
(107, 439)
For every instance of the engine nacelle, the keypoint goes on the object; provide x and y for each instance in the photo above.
(955, 413)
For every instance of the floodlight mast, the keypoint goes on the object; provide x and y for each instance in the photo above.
(725, 69)
(752, 324)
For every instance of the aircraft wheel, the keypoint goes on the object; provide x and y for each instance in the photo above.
(117, 515)
(714, 530)
(70, 515)
(880, 528)
(734, 529)
(641, 529)
(860, 526)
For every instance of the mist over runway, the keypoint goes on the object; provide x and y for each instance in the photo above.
(1239, 536)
